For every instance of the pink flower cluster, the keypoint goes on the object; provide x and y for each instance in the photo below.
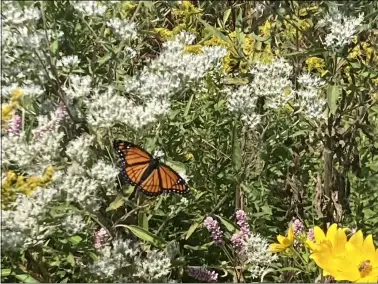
(238, 239)
(213, 227)
(14, 125)
(100, 238)
(202, 274)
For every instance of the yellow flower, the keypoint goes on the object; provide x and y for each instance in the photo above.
(359, 263)
(283, 242)
(327, 246)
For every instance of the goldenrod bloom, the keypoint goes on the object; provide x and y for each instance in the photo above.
(284, 242)
(360, 262)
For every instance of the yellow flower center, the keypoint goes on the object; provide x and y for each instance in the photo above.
(365, 268)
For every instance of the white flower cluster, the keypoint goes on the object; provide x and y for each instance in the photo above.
(68, 61)
(107, 109)
(24, 226)
(123, 261)
(310, 101)
(22, 44)
(124, 29)
(90, 8)
(270, 81)
(174, 69)
(79, 149)
(257, 254)
(77, 86)
(15, 15)
(43, 149)
(104, 173)
(83, 184)
(341, 27)
(73, 224)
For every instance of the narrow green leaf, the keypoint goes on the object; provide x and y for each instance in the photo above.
(215, 32)
(202, 247)
(333, 94)
(188, 105)
(146, 235)
(104, 59)
(117, 203)
(236, 149)
(226, 15)
(230, 226)
(143, 221)
(259, 38)
(191, 230)
(26, 278)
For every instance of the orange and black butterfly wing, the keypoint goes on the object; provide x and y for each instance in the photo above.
(151, 186)
(135, 161)
(171, 181)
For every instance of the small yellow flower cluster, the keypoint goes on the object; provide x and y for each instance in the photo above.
(14, 184)
(316, 63)
(7, 110)
(290, 31)
(185, 10)
(195, 49)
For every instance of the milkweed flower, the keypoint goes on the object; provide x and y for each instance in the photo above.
(283, 242)
(100, 238)
(213, 227)
(202, 274)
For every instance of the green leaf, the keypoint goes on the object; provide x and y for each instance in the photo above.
(70, 259)
(116, 203)
(333, 94)
(215, 32)
(146, 235)
(259, 38)
(191, 230)
(75, 239)
(6, 272)
(104, 59)
(226, 15)
(26, 278)
(188, 105)
(230, 226)
(202, 247)
(143, 221)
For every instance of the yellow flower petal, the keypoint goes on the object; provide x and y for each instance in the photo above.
(318, 234)
(357, 239)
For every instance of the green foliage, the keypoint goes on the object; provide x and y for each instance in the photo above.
(270, 172)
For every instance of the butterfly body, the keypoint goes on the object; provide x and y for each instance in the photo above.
(146, 173)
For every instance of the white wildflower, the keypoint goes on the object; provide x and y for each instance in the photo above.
(341, 28)
(68, 61)
(73, 224)
(79, 149)
(90, 8)
(13, 14)
(153, 267)
(257, 255)
(77, 86)
(310, 101)
(23, 225)
(124, 29)
(158, 154)
(104, 173)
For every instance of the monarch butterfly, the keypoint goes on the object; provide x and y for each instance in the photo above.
(146, 173)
